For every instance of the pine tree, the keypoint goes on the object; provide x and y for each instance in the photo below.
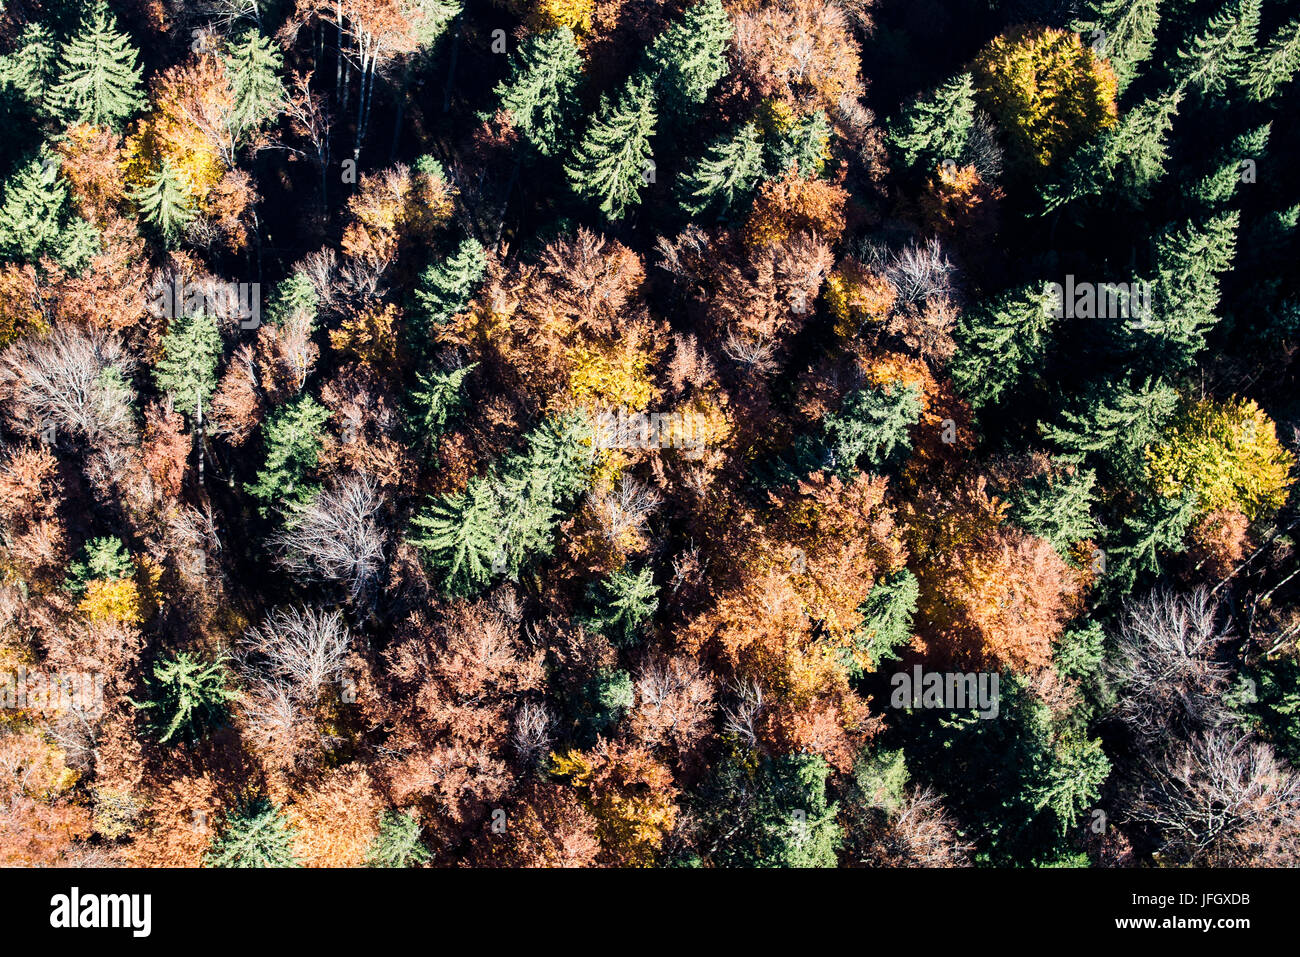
(187, 697)
(1125, 31)
(1056, 505)
(689, 57)
(36, 219)
(1277, 65)
(1221, 53)
(253, 63)
(30, 68)
(805, 146)
(509, 515)
(255, 835)
(869, 431)
(619, 604)
(99, 73)
(105, 558)
(1215, 190)
(292, 437)
(1124, 161)
(1117, 422)
(612, 164)
(435, 400)
(887, 617)
(165, 203)
(398, 842)
(935, 127)
(725, 176)
(188, 367)
(1186, 289)
(445, 288)
(998, 341)
(542, 90)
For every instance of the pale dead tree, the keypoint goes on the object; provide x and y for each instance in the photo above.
(336, 538)
(740, 720)
(625, 508)
(755, 353)
(321, 269)
(294, 346)
(1165, 671)
(73, 381)
(301, 650)
(922, 271)
(982, 149)
(918, 832)
(531, 735)
(1222, 798)
(690, 365)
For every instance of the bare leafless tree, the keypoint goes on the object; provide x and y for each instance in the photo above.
(1222, 797)
(533, 725)
(336, 538)
(1167, 679)
(297, 650)
(73, 381)
(624, 508)
(921, 272)
(740, 719)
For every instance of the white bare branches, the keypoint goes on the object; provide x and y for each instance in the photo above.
(336, 538)
(921, 272)
(624, 509)
(74, 381)
(741, 719)
(297, 650)
(1164, 668)
(1223, 798)
(531, 735)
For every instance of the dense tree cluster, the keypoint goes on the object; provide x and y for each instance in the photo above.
(545, 432)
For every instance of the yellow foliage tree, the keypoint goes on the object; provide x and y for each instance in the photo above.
(1047, 89)
(1227, 454)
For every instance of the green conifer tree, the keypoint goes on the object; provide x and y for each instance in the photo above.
(542, 91)
(99, 73)
(253, 63)
(187, 697)
(257, 834)
(613, 163)
(164, 203)
(398, 842)
(36, 218)
(689, 57)
(999, 340)
(292, 437)
(1222, 51)
(1277, 65)
(935, 127)
(725, 176)
(187, 370)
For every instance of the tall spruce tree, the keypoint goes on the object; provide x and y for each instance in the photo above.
(725, 176)
(36, 218)
(1185, 294)
(542, 91)
(292, 437)
(253, 63)
(613, 163)
(1277, 65)
(1124, 32)
(165, 203)
(256, 834)
(999, 341)
(187, 370)
(99, 73)
(935, 127)
(30, 68)
(1221, 52)
(689, 57)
